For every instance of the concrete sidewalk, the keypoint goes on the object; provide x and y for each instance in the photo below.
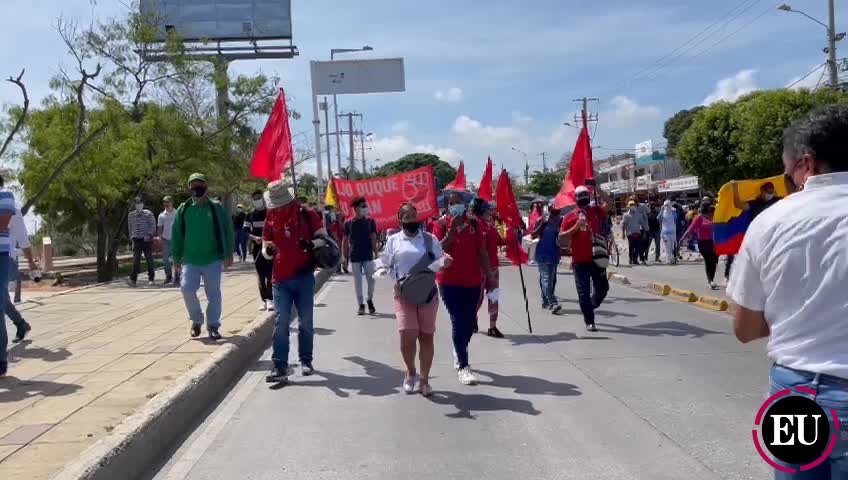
(96, 356)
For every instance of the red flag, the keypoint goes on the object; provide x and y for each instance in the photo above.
(485, 190)
(459, 182)
(508, 211)
(580, 171)
(273, 154)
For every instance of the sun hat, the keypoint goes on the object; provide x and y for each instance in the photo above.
(279, 194)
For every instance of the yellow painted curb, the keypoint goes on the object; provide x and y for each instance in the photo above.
(713, 303)
(684, 295)
(659, 288)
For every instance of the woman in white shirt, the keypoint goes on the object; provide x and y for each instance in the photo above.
(416, 323)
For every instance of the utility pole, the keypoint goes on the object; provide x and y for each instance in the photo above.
(327, 135)
(585, 117)
(544, 163)
(526, 173)
(351, 135)
(362, 137)
(831, 48)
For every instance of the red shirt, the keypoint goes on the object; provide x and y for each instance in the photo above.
(468, 241)
(581, 241)
(493, 240)
(286, 226)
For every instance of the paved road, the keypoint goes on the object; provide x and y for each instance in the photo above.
(662, 391)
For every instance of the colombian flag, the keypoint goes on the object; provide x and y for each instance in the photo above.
(730, 223)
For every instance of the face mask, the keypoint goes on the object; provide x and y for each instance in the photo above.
(259, 204)
(139, 207)
(583, 202)
(411, 228)
(769, 196)
(363, 211)
(456, 210)
(199, 191)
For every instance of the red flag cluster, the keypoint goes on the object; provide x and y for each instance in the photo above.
(507, 209)
(273, 154)
(459, 182)
(580, 171)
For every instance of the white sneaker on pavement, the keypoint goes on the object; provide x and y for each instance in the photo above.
(270, 305)
(151, 283)
(409, 384)
(263, 305)
(714, 285)
(466, 376)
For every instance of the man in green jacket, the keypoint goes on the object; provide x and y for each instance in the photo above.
(202, 242)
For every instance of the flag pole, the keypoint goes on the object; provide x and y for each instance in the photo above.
(523, 285)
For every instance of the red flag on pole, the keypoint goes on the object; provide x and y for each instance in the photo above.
(507, 209)
(485, 190)
(580, 171)
(459, 182)
(273, 154)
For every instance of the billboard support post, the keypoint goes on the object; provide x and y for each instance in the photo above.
(316, 124)
(327, 139)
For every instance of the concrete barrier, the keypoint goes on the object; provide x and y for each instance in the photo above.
(659, 289)
(713, 303)
(683, 295)
(144, 438)
(619, 278)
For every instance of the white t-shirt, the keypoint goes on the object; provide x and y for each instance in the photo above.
(18, 236)
(401, 252)
(793, 266)
(166, 222)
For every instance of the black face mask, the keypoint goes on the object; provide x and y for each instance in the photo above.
(411, 228)
(583, 202)
(199, 191)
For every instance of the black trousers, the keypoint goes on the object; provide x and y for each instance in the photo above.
(264, 267)
(634, 247)
(142, 246)
(707, 250)
(592, 288)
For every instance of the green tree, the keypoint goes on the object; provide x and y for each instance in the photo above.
(676, 126)
(442, 170)
(707, 150)
(546, 184)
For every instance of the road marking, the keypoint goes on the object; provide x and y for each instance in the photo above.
(235, 399)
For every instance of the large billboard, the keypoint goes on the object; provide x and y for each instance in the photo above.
(229, 20)
(344, 77)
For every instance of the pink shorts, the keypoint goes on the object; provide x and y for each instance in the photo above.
(417, 318)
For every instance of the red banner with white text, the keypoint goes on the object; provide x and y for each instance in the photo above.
(385, 195)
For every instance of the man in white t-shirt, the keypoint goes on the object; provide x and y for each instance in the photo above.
(790, 279)
(165, 224)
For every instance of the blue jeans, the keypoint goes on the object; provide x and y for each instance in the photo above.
(15, 276)
(547, 282)
(832, 393)
(4, 299)
(461, 303)
(592, 288)
(241, 243)
(211, 275)
(299, 293)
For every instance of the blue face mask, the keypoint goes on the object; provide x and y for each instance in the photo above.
(456, 210)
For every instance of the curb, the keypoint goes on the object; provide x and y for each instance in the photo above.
(659, 289)
(713, 303)
(143, 438)
(683, 295)
(619, 278)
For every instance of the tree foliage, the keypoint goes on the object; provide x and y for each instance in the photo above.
(732, 141)
(442, 170)
(676, 126)
(545, 184)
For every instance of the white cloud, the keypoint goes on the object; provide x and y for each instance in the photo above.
(485, 135)
(400, 127)
(627, 112)
(812, 80)
(389, 149)
(731, 88)
(451, 95)
(520, 118)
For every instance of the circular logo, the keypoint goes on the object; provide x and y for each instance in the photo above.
(794, 430)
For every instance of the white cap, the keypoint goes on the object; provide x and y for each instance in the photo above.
(580, 190)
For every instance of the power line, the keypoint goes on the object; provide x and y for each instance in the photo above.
(796, 82)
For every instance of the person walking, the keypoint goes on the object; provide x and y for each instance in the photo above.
(7, 211)
(290, 233)
(578, 229)
(667, 218)
(654, 233)
(788, 281)
(202, 248)
(463, 239)
(548, 257)
(19, 245)
(360, 247)
(335, 228)
(633, 224)
(409, 251)
(253, 227)
(240, 233)
(702, 226)
(490, 292)
(165, 227)
(141, 225)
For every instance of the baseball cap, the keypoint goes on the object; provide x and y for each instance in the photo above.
(197, 177)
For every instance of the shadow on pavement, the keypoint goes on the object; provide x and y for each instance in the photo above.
(529, 339)
(323, 331)
(524, 385)
(13, 389)
(632, 300)
(468, 403)
(600, 313)
(658, 329)
(20, 352)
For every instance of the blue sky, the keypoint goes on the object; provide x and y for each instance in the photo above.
(483, 77)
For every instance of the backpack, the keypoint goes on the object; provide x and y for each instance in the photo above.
(327, 256)
(418, 287)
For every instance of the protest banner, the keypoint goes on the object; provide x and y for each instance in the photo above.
(385, 195)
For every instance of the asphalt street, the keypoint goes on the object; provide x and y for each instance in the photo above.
(662, 391)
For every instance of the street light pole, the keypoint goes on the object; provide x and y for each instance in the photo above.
(831, 39)
(526, 166)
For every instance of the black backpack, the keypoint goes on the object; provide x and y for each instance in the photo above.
(418, 287)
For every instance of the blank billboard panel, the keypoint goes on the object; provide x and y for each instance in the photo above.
(213, 20)
(343, 77)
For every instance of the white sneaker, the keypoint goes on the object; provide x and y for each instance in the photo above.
(263, 306)
(409, 384)
(466, 376)
(151, 283)
(270, 306)
(714, 285)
